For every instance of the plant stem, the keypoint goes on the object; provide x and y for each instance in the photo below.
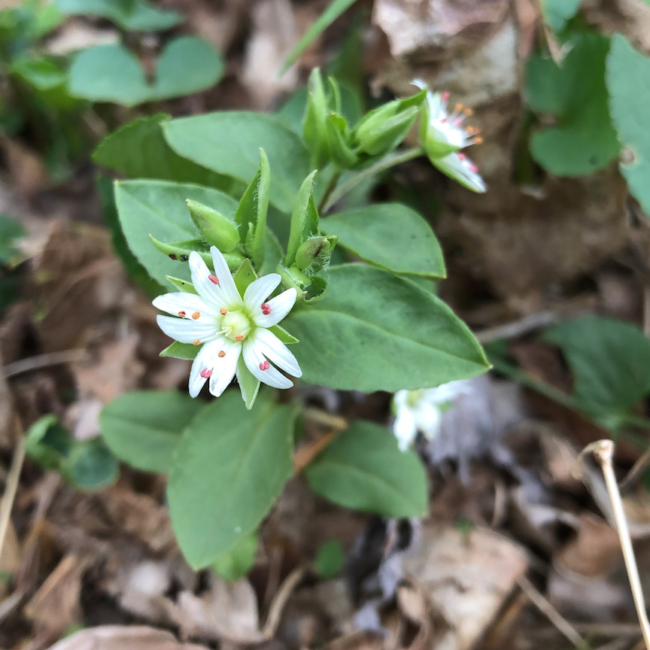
(11, 486)
(603, 451)
(330, 188)
(380, 166)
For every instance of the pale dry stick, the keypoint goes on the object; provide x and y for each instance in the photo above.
(603, 451)
(327, 419)
(43, 361)
(550, 612)
(11, 486)
(280, 600)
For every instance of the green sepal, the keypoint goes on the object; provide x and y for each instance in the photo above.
(248, 383)
(216, 229)
(309, 289)
(304, 220)
(244, 276)
(180, 250)
(251, 212)
(181, 285)
(339, 136)
(283, 335)
(178, 350)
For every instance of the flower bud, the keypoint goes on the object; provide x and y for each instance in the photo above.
(217, 229)
(313, 256)
(314, 128)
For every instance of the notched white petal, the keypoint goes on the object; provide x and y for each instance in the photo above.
(205, 282)
(276, 352)
(226, 282)
(259, 290)
(254, 360)
(186, 331)
(277, 309)
(183, 305)
(225, 367)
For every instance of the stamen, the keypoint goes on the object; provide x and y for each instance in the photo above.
(459, 107)
(473, 168)
(461, 156)
(214, 279)
(206, 374)
(239, 337)
(266, 309)
(221, 354)
(468, 111)
(182, 313)
(478, 140)
(196, 315)
(445, 96)
(223, 311)
(196, 342)
(265, 365)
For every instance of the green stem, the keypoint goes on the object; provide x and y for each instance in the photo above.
(330, 188)
(380, 166)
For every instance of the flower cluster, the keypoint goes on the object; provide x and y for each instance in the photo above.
(229, 326)
(443, 134)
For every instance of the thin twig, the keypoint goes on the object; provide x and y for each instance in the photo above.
(637, 469)
(43, 361)
(603, 451)
(11, 486)
(327, 419)
(550, 612)
(280, 600)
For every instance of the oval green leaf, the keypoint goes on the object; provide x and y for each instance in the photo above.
(364, 469)
(389, 235)
(375, 331)
(143, 428)
(230, 467)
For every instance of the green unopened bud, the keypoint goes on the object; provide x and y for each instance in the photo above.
(338, 134)
(314, 129)
(217, 229)
(314, 255)
(180, 251)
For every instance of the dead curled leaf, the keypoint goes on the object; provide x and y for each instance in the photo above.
(118, 637)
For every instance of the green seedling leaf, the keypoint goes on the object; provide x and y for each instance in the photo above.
(144, 428)
(364, 469)
(584, 140)
(389, 235)
(230, 467)
(111, 73)
(628, 82)
(375, 331)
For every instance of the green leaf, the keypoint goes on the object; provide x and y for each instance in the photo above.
(364, 469)
(158, 208)
(557, 12)
(90, 466)
(111, 73)
(229, 143)
(239, 560)
(389, 235)
(137, 15)
(609, 359)
(144, 428)
(178, 350)
(335, 9)
(139, 150)
(584, 139)
(330, 559)
(48, 442)
(230, 467)
(375, 331)
(628, 81)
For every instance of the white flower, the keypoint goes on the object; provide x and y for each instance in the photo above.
(421, 410)
(441, 131)
(229, 326)
(459, 167)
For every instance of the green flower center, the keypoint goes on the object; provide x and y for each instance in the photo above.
(236, 325)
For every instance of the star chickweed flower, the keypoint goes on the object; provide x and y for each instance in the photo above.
(421, 410)
(443, 135)
(228, 326)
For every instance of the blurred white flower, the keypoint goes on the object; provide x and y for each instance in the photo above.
(421, 410)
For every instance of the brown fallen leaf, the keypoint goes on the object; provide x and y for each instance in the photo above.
(118, 637)
(467, 576)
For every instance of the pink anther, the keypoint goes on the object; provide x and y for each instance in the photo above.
(206, 374)
(266, 309)
(214, 279)
(265, 365)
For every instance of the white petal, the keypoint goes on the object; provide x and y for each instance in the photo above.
(203, 361)
(253, 357)
(258, 291)
(276, 351)
(404, 428)
(187, 331)
(226, 283)
(280, 306)
(208, 290)
(175, 303)
(224, 367)
(428, 418)
(460, 170)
